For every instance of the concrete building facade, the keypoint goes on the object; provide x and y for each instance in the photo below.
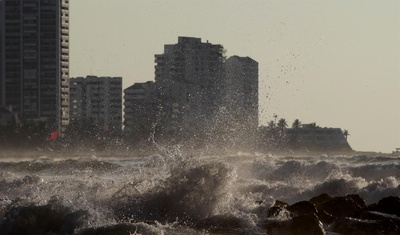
(189, 79)
(198, 97)
(98, 99)
(140, 109)
(241, 97)
(7, 117)
(34, 70)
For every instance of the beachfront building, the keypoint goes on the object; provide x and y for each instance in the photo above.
(189, 79)
(34, 63)
(98, 99)
(241, 99)
(312, 137)
(140, 110)
(7, 117)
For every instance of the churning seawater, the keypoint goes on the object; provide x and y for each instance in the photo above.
(176, 193)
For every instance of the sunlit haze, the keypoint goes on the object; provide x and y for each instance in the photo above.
(336, 63)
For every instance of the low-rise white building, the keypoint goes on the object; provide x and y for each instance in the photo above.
(313, 136)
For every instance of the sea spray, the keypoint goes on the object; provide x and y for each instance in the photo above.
(180, 193)
(190, 191)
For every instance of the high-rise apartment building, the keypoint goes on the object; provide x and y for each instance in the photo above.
(242, 90)
(140, 109)
(34, 60)
(198, 97)
(241, 98)
(189, 79)
(98, 99)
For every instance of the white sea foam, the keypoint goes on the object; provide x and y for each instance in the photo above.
(175, 187)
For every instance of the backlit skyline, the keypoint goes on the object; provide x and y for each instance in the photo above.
(336, 63)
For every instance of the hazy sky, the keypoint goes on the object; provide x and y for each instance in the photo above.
(336, 63)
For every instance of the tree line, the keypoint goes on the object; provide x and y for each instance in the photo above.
(275, 137)
(87, 134)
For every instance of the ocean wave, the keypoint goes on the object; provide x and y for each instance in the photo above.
(178, 193)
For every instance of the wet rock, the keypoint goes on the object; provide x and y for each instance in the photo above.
(375, 215)
(280, 203)
(339, 207)
(322, 215)
(320, 199)
(302, 208)
(279, 209)
(325, 217)
(363, 227)
(307, 224)
(277, 227)
(388, 205)
(357, 199)
(299, 225)
(344, 215)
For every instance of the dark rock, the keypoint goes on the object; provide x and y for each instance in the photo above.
(388, 221)
(299, 225)
(360, 202)
(307, 224)
(339, 207)
(325, 217)
(357, 199)
(320, 199)
(279, 209)
(363, 227)
(388, 205)
(280, 203)
(302, 208)
(274, 227)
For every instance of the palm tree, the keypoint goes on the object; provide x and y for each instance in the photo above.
(271, 125)
(271, 133)
(296, 124)
(282, 124)
(346, 133)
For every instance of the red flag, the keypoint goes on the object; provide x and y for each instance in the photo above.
(53, 135)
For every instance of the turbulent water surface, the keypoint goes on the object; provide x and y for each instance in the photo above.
(176, 193)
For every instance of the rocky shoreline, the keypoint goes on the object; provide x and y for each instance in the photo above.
(343, 215)
(323, 214)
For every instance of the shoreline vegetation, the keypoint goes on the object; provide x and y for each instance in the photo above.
(86, 137)
(123, 152)
(28, 154)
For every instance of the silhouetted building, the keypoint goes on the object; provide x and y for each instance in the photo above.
(241, 99)
(198, 97)
(313, 137)
(98, 99)
(7, 116)
(34, 63)
(189, 79)
(140, 109)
